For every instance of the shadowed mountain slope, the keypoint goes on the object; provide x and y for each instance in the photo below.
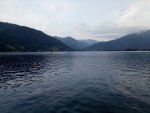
(20, 38)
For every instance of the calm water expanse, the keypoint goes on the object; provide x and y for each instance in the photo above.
(75, 82)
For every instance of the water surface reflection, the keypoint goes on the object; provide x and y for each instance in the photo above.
(75, 82)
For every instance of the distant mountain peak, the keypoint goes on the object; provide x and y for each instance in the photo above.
(76, 44)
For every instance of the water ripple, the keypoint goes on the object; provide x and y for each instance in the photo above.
(75, 82)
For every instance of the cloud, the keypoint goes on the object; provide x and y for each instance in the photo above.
(104, 32)
(133, 19)
(67, 17)
(39, 14)
(138, 14)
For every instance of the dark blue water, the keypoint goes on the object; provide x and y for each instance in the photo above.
(75, 82)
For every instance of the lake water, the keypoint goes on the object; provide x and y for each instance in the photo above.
(75, 82)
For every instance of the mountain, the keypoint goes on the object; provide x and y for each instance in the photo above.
(20, 38)
(89, 42)
(73, 43)
(136, 41)
(76, 44)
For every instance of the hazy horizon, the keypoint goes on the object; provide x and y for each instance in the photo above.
(86, 19)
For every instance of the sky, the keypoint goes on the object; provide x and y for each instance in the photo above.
(101, 20)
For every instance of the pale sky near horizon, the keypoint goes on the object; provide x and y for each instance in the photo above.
(81, 19)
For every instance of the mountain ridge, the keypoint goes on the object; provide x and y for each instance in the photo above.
(21, 38)
(77, 44)
(133, 41)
